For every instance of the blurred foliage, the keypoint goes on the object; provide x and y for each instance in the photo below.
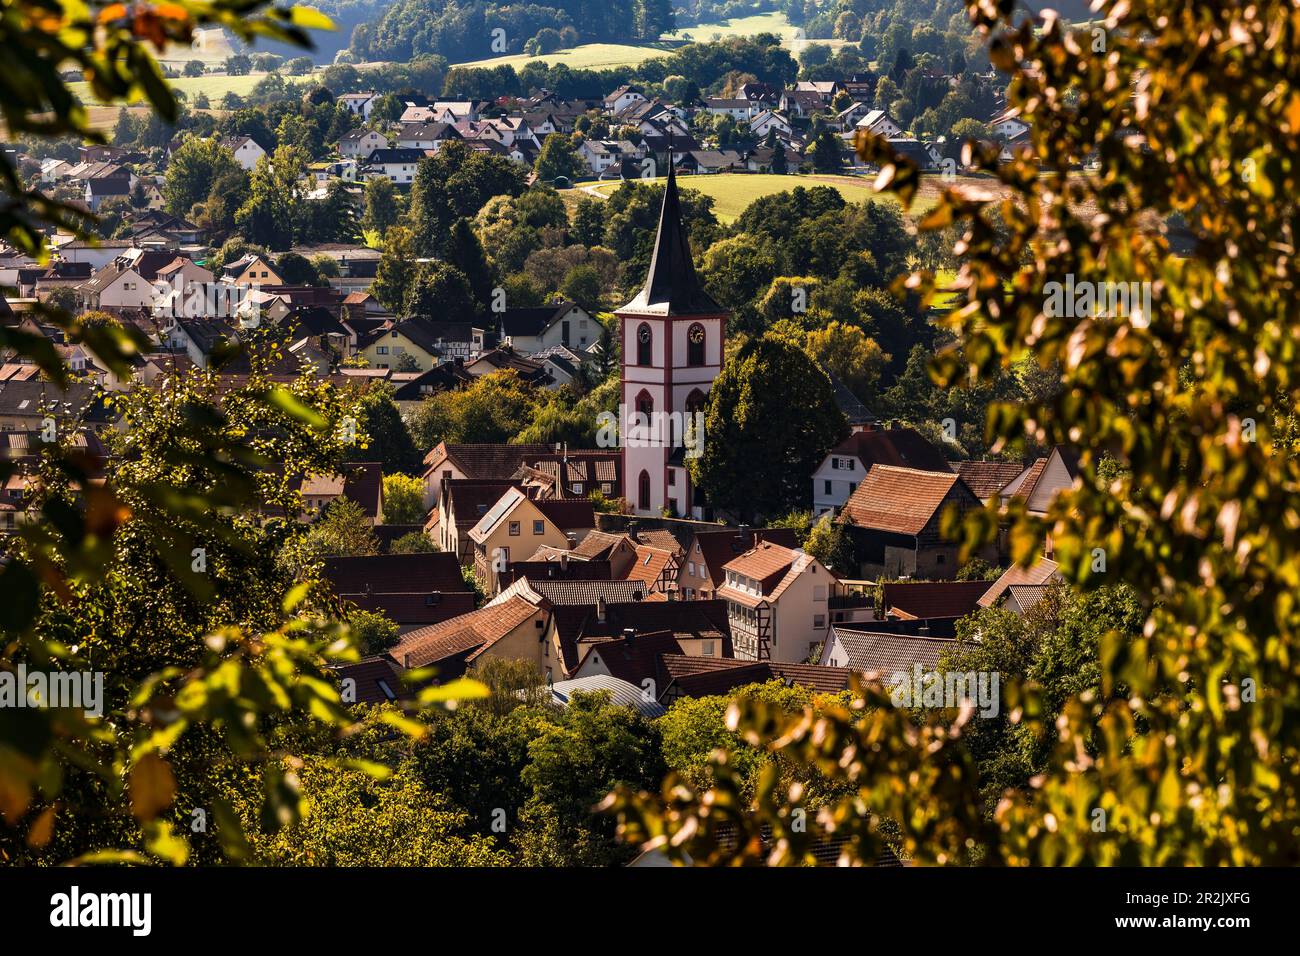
(162, 577)
(1188, 107)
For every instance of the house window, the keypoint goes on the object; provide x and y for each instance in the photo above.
(826, 489)
(645, 405)
(514, 529)
(672, 477)
(644, 344)
(539, 527)
(819, 620)
(695, 345)
(577, 487)
(643, 491)
(381, 349)
(819, 592)
(690, 568)
(706, 648)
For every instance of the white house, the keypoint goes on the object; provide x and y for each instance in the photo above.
(1044, 479)
(534, 330)
(622, 98)
(778, 603)
(449, 111)
(360, 104)
(767, 120)
(880, 123)
(1005, 126)
(426, 135)
(116, 286)
(360, 143)
(395, 164)
(247, 152)
(739, 110)
(847, 463)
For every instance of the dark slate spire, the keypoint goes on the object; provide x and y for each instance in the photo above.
(672, 287)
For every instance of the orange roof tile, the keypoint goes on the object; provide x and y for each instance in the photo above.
(901, 500)
(473, 632)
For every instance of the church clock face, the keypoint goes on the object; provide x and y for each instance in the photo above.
(697, 334)
(643, 333)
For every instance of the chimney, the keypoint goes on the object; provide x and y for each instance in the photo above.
(564, 561)
(744, 538)
(600, 609)
(572, 539)
(628, 634)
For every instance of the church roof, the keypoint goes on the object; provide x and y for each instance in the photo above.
(672, 287)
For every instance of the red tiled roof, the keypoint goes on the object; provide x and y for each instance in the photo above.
(649, 565)
(568, 515)
(1039, 573)
(377, 682)
(396, 573)
(902, 447)
(637, 659)
(900, 500)
(719, 547)
(467, 634)
(987, 478)
(766, 563)
(422, 608)
(930, 599)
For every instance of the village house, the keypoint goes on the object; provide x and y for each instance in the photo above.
(426, 137)
(702, 566)
(623, 98)
(360, 143)
(893, 520)
(530, 330)
(511, 630)
(250, 270)
(361, 482)
(777, 602)
(460, 505)
(516, 527)
(246, 150)
(882, 654)
(396, 164)
(359, 104)
(844, 466)
(880, 123)
(411, 590)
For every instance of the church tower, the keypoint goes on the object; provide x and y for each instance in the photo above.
(672, 336)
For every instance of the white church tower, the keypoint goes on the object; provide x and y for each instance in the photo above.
(672, 338)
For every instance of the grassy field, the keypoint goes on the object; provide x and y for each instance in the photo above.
(595, 56)
(215, 86)
(588, 56)
(733, 192)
